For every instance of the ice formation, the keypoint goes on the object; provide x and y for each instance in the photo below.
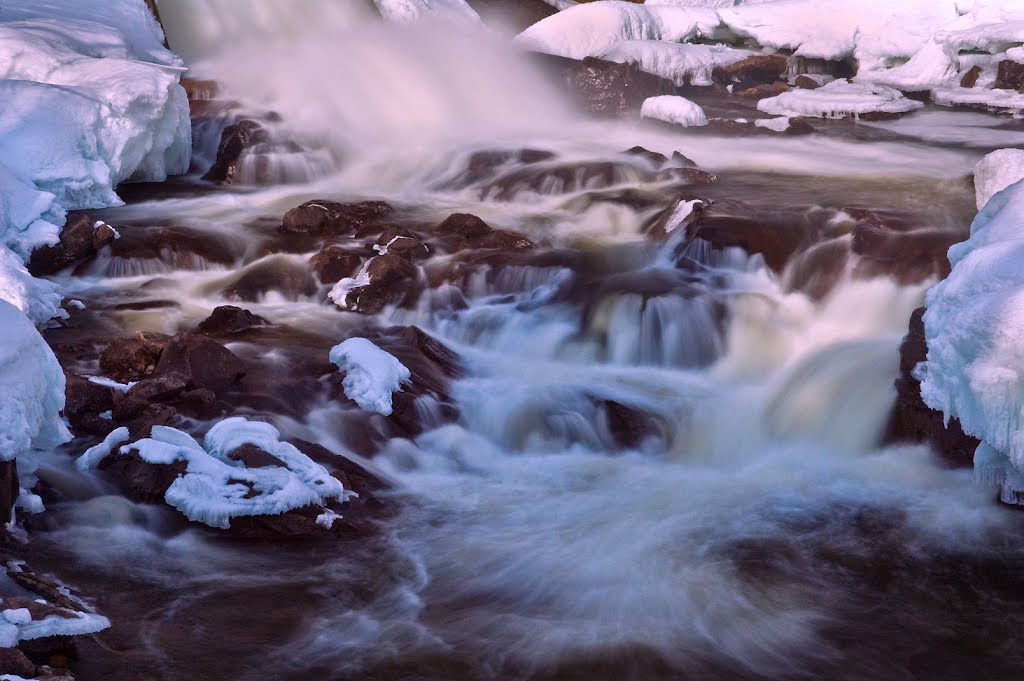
(31, 388)
(409, 11)
(975, 365)
(215, 488)
(838, 99)
(672, 109)
(681, 63)
(17, 625)
(371, 375)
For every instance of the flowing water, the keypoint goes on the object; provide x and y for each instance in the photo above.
(756, 530)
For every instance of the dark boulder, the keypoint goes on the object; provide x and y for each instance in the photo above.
(914, 421)
(9, 489)
(234, 141)
(485, 164)
(402, 242)
(608, 88)
(333, 262)
(206, 363)
(132, 359)
(562, 178)
(775, 236)
(228, 319)
(462, 231)
(81, 238)
(140, 480)
(181, 248)
(84, 401)
(755, 70)
(331, 217)
(252, 456)
(163, 388)
(391, 281)
(14, 662)
(1010, 76)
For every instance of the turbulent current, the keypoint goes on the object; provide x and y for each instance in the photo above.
(753, 528)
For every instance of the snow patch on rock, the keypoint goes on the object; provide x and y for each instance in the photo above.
(371, 374)
(673, 109)
(838, 99)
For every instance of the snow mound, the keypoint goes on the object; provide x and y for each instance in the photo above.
(95, 454)
(371, 375)
(996, 172)
(215, 488)
(838, 99)
(17, 625)
(672, 109)
(975, 365)
(592, 29)
(31, 388)
(679, 62)
(411, 11)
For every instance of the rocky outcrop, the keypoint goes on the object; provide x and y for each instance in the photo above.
(1010, 76)
(81, 238)
(914, 421)
(607, 88)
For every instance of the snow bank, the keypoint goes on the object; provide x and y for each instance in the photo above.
(671, 109)
(17, 625)
(371, 375)
(973, 326)
(996, 172)
(593, 29)
(31, 388)
(411, 11)
(215, 488)
(838, 99)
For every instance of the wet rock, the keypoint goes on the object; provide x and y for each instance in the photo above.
(776, 236)
(163, 388)
(1009, 76)
(252, 456)
(9, 489)
(763, 90)
(132, 359)
(179, 247)
(206, 363)
(234, 141)
(333, 262)
(139, 480)
(403, 243)
(465, 231)
(331, 217)
(629, 427)
(141, 426)
(80, 239)
(392, 279)
(84, 401)
(199, 90)
(610, 89)
(806, 83)
(906, 253)
(14, 662)
(818, 269)
(686, 176)
(911, 419)
(279, 274)
(970, 78)
(755, 70)
(228, 319)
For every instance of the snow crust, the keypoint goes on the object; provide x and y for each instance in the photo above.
(411, 11)
(672, 109)
(996, 172)
(973, 325)
(371, 374)
(214, 488)
(31, 388)
(838, 99)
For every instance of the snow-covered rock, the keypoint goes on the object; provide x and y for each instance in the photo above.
(996, 172)
(371, 374)
(838, 99)
(31, 388)
(592, 29)
(973, 325)
(682, 63)
(215, 488)
(672, 109)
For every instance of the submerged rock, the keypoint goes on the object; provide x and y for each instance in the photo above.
(228, 319)
(234, 141)
(202, 361)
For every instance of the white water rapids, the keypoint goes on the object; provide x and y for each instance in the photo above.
(734, 542)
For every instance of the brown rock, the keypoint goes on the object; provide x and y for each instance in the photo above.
(1010, 76)
(206, 363)
(561, 178)
(228, 319)
(84, 401)
(233, 142)
(609, 89)
(252, 456)
(806, 83)
(331, 217)
(180, 247)
(200, 90)
(392, 279)
(132, 359)
(163, 388)
(333, 263)
(14, 662)
(9, 488)
(485, 164)
(755, 70)
(464, 225)
(139, 480)
(970, 78)
(775, 241)
(404, 243)
(763, 90)
(914, 421)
